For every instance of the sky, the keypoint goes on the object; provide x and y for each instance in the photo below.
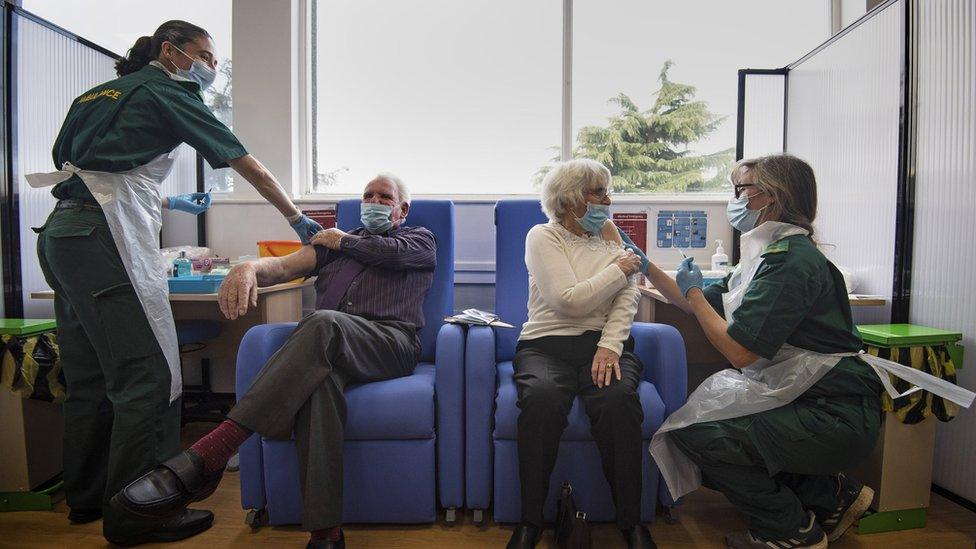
(464, 96)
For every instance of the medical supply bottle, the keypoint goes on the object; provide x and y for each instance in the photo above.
(182, 266)
(720, 261)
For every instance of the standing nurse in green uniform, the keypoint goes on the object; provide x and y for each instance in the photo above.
(99, 252)
(774, 435)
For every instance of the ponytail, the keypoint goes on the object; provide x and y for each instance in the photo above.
(147, 48)
(140, 54)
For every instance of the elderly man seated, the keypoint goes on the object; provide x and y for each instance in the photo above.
(370, 291)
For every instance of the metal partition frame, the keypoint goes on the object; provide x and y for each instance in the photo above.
(905, 185)
(743, 113)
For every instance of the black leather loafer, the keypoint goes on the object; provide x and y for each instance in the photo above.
(639, 538)
(524, 537)
(169, 488)
(328, 544)
(123, 528)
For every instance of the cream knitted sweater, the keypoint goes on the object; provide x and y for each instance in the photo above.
(575, 286)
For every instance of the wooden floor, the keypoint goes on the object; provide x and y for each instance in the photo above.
(704, 518)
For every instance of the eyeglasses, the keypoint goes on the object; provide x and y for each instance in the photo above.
(601, 193)
(738, 188)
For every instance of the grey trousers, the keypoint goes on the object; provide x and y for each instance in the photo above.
(299, 391)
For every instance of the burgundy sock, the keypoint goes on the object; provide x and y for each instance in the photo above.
(220, 444)
(327, 534)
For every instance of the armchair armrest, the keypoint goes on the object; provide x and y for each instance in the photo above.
(662, 351)
(480, 386)
(449, 381)
(259, 343)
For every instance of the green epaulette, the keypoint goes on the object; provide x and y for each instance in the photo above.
(778, 247)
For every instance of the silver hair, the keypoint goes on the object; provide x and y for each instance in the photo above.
(562, 189)
(402, 189)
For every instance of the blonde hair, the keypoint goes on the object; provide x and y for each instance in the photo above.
(789, 182)
(563, 187)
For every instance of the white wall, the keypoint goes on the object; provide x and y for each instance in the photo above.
(235, 226)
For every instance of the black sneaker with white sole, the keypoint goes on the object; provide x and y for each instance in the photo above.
(812, 537)
(853, 499)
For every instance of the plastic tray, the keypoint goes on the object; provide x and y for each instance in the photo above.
(195, 284)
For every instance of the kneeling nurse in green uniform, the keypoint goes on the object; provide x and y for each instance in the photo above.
(99, 252)
(774, 434)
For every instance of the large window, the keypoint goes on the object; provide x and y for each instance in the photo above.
(466, 97)
(654, 83)
(454, 97)
(116, 24)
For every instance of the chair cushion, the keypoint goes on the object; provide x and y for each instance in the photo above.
(395, 409)
(506, 412)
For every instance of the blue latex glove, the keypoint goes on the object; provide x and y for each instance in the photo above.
(629, 244)
(306, 228)
(194, 203)
(689, 276)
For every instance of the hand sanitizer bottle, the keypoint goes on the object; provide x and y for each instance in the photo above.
(720, 261)
(182, 266)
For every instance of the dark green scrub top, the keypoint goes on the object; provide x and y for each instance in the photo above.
(126, 122)
(798, 297)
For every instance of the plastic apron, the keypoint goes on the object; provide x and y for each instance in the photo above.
(132, 206)
(768, 384)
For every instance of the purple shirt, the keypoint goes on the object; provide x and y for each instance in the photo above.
(399, 269)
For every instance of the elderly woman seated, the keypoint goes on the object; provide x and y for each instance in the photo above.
(576, 342)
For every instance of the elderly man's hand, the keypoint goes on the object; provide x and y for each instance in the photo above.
(330, 238)
(606, 365)
(238, 291)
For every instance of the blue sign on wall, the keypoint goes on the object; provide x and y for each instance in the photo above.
(682, 229)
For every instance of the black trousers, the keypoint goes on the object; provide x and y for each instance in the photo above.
(300, 390)
(549, 373)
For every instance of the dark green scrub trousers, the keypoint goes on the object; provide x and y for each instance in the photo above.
(775, 465)
(118, 422)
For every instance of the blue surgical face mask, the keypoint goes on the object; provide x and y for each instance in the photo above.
(376, 217)
(740, 216)
(596, 215)
(198, 72)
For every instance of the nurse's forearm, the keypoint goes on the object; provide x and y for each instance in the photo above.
(717, 331)
(265, 183)
(668, 287)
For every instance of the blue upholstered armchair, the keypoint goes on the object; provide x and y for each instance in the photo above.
(491, 452)
(404, 437)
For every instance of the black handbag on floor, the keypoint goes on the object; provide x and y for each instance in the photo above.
(572, 531)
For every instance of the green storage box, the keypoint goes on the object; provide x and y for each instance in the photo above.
(900, 468)
(30, 464)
